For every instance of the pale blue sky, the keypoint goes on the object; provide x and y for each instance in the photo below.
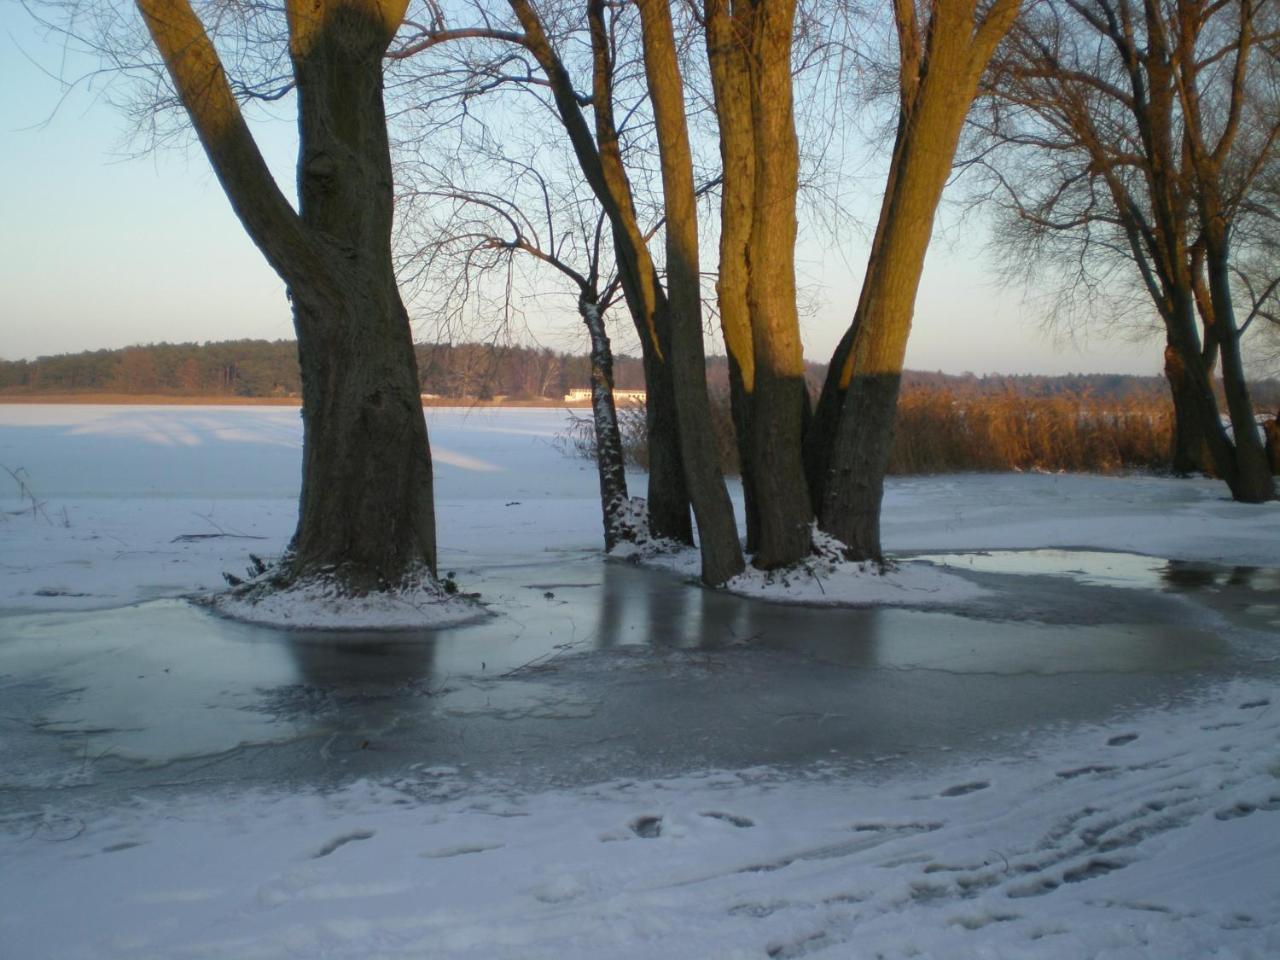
(98, 250)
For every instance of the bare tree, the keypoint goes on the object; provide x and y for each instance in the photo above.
(458, 233)
(1137, 134)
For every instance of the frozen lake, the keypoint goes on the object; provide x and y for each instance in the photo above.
(1100, 606)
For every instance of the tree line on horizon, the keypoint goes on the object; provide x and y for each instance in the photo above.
(478, 371)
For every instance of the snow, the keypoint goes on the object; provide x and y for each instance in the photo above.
(317, 604)
(121, 483)
(1154, 832)
(826, 579)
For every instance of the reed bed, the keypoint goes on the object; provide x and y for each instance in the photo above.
(940, 431)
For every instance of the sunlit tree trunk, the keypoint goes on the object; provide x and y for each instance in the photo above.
(749, 51)
(717, 529)
(728, 39)
(943, 52)
(779, 400)
(365, 513)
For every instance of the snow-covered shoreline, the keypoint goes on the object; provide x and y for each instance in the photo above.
(143, 502)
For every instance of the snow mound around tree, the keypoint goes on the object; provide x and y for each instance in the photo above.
(825, 578)
(320, 603)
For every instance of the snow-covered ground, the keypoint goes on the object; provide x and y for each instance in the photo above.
(1153, 833)
(141, 502)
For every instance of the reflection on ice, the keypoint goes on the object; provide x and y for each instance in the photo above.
(584, 653)
(1094, 567)
(1110, 569)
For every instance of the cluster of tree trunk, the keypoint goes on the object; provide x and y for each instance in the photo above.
(796, 468)
(366, 508)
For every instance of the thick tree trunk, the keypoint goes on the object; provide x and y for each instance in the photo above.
(853, 485)
(365, 515)
(1195, 404)
(1190, 453)
(713, 511)
(366, 504)
(941, 61)
(609, 460)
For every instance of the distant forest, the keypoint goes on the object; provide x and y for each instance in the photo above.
(464, 371)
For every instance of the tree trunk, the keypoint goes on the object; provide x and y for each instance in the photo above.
(1195, 403)
(713, 511)
(940, 63)
(609, 460)
(365, 512)
(667, 492)
(1253, 483)
(1190, 452)
(728, 39)
(365, 515)
(777, 414)
(367, 487)
(853, 486)
(600, 160)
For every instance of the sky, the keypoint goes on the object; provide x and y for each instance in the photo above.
(102, 248)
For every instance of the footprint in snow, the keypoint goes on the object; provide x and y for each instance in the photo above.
(126, 845)
(460, 851)
(1085, 770)
(1244, 808)
(980, 920)
(336, 842)
(646, 826)
(730, 818)
(960, 789)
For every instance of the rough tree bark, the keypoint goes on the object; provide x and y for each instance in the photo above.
(366, 516)
(942, 58)
(717, 529)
